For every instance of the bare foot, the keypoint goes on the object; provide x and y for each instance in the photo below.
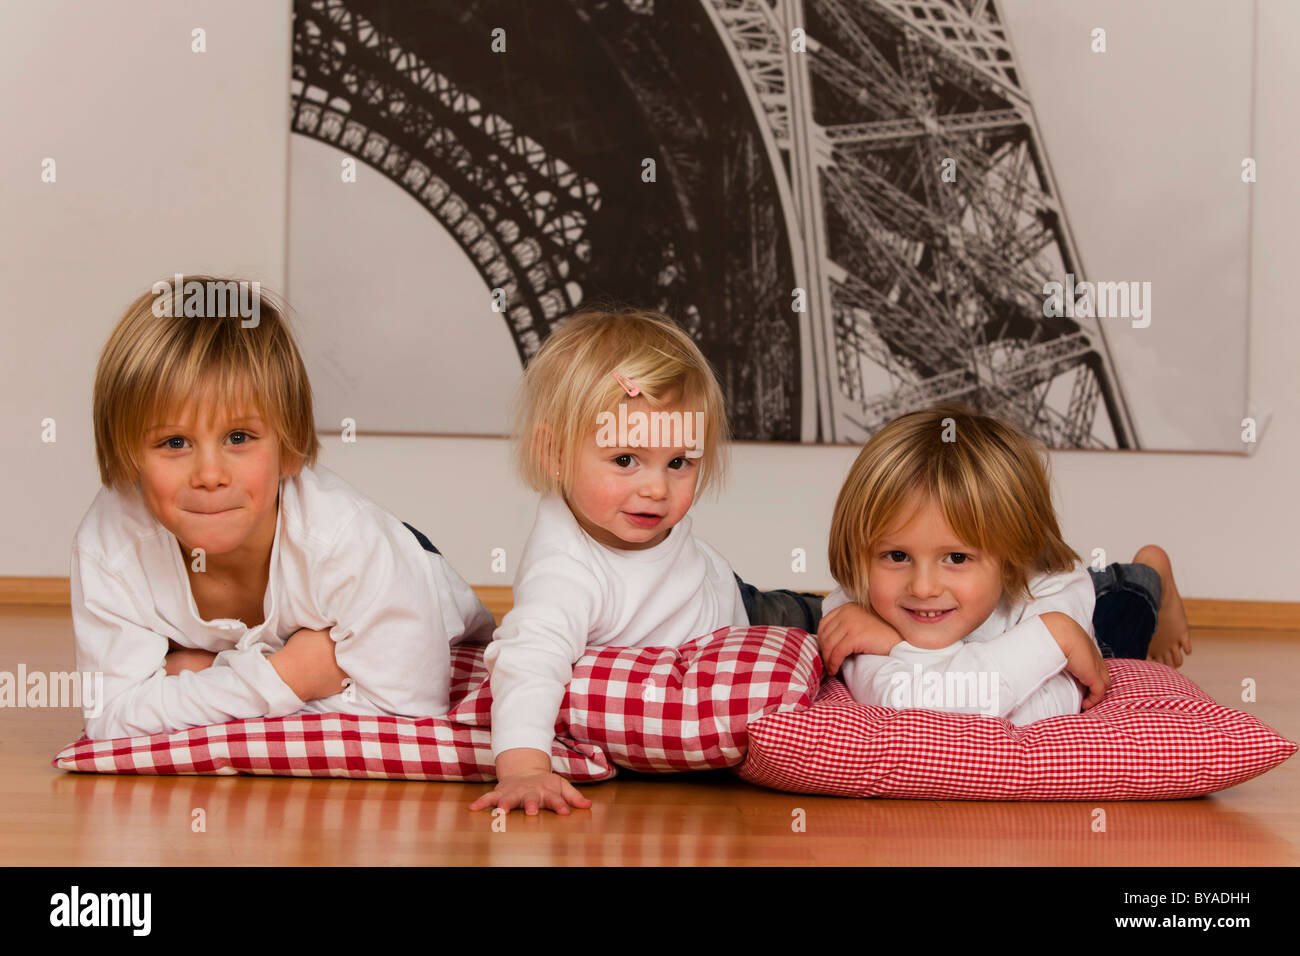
(1172, 638)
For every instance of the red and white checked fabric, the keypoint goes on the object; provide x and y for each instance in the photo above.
(331, 745)
(1155, 736)
(664, 709)
(652, 709)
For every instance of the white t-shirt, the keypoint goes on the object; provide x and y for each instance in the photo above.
(1010, 666)
(338, 562)
(572, 592)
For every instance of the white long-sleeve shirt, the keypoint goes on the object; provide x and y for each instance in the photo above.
(1010, 666)
(338, 562)
(572, 592)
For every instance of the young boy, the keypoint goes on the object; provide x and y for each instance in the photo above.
(218, 574)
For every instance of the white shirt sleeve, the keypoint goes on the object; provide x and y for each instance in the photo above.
(138, 696)
(532, 654)
(1013, 667)
(835, 599)
(388, 624)
(1071, 593)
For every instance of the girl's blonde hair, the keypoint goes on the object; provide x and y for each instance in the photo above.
(989, 479)
(153, 365)
(572, 380)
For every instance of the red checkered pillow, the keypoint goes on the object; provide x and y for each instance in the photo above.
(331, 745)
(664, 709)
(641, 708)
(1155, 736)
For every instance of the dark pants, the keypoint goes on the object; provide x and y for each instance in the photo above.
(1124, 619)
(1128, 603)
(424, 542)
(781, 608)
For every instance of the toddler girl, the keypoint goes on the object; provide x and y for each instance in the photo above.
(620, 425)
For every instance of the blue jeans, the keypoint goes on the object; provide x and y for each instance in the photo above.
(1128, 601)
(1128, 604)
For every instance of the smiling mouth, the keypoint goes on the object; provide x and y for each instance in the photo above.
(928, 616)
(209, 514)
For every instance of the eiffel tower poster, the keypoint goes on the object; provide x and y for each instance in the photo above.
(857, 207)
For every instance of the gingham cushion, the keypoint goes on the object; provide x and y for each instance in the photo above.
(331, 745)
(1155, 736)
(687, 707)
(663, 709)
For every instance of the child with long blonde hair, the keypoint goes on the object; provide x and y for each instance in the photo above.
(220, 574)
(956, 589)
(620, 425)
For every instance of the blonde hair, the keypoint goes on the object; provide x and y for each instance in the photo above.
(989, 479)
(155, 364)
(571, 381)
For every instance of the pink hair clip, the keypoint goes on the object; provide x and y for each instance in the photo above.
(629, 386)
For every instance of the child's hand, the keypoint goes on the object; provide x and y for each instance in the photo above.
(525, 779)
(187, 659)
(852, 629)
(306, 663)
(1082, 658)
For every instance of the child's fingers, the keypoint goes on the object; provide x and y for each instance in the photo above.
(837, 658)
(831, 618)
(555, 801)
(832, 654)
(833, 650)
(485, 800)
(1096, 692)
(572, 795)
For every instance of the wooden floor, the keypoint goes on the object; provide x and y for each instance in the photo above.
(48, 817)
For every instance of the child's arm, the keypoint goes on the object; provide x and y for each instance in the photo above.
(1065, 603)
(853, 629)
(138, 696)
(530, 661)
(1083, 659)
(306, 663)
(394, 612)
(996, 676)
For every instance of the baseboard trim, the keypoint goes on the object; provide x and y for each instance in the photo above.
(1201, 612)
(42, 592)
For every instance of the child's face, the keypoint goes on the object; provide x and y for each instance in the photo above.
(922, 566)
(211, 478)
(630, 497)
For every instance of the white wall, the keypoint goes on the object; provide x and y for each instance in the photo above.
(171, 161)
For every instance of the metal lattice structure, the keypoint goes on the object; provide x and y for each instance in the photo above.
(519, 212)
(532, 162)
(779, 169)
(921, 289)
